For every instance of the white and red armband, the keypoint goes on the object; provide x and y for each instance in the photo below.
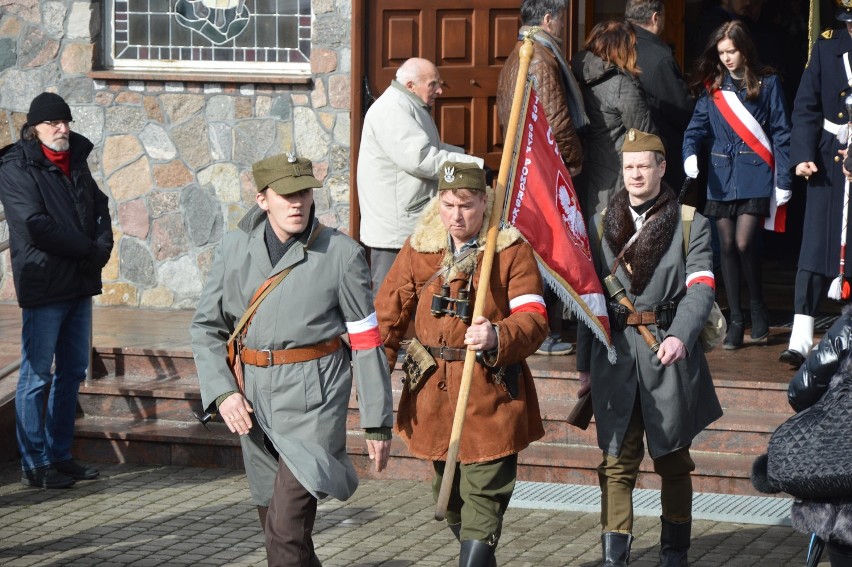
(364, 334)
(529, 302)
(703, 277)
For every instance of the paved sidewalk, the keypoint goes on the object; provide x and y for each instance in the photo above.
(166, 515)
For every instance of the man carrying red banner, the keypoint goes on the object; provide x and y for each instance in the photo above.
(641, 242)
(435, 281)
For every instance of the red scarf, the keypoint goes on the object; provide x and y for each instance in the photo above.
(62, 160)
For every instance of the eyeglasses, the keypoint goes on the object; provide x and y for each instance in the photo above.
(57, 124)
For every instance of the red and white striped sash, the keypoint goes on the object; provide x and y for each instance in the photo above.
(748, 128)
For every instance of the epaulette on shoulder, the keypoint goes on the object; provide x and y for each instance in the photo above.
(827, 34)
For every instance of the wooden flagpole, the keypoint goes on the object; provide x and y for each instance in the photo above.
(484, 285)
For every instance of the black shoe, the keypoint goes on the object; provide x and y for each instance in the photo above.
(734, 336)
(476, 553)
(46, 477)
(616, 549)
(674, 543)
(759, 322)
(793, 358)
(76, 471)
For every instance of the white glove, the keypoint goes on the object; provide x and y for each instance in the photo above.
(690, 166)
(782, 196)
(843, 134)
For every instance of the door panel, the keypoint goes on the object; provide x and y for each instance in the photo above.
(468, 41)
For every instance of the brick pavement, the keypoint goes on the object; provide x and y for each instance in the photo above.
(167, 515)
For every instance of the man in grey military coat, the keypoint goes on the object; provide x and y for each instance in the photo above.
(666, 396)
(291, 416)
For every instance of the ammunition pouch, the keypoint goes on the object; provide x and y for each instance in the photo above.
(665, 313)
(417, 365)
(617, 316)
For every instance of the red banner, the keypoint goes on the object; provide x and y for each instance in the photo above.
(543, 205)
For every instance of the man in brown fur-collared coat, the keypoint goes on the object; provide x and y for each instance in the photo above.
(443, 258)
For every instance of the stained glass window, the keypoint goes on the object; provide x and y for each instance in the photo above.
(210, 35)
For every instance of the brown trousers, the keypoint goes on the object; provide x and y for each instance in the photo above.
(290, 523)
(617, 477)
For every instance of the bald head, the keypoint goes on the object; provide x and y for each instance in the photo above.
(421, 78)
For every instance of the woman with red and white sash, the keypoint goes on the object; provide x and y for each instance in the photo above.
(742, 117)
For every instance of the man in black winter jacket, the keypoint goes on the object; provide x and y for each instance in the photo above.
(60, 239)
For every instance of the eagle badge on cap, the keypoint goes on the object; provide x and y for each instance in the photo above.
(291, 157)
(449, 174)
(631, 135)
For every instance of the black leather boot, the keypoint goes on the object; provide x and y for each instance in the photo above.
(674, 543)
(616, 549)
(759, 321)
(734, 337)
(475, 553)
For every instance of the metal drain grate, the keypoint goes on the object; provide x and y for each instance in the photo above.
(763, 510)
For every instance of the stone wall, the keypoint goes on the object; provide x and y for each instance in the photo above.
(175, 157)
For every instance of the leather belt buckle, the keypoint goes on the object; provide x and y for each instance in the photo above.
(441, 352)
(268, 353)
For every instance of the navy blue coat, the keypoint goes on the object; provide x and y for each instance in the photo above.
(820, 97)
(734, 171)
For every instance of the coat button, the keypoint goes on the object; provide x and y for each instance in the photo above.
(840, 115)
(836, 159)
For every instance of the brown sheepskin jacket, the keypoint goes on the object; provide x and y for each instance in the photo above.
(502, 414)
(550, 88)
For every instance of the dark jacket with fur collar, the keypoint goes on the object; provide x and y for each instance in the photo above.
(677, 401)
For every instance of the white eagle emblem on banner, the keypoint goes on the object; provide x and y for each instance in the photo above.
(572, 217)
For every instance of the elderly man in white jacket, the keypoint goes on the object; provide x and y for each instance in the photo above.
(399, 162)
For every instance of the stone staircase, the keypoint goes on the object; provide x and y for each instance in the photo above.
(139, 409)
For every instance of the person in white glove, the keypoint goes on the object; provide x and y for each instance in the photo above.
(741, 180)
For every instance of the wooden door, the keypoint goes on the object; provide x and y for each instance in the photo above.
(468, 40)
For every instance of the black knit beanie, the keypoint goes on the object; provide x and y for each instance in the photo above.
(48, 106)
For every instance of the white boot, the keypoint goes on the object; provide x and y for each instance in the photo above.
(801, 341)
(802, 337)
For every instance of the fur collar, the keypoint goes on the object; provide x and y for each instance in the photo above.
(641, 259)
(431, 237)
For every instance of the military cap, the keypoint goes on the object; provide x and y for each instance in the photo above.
(844, 10)
(639, 141)
(284, 174)
(461, 176)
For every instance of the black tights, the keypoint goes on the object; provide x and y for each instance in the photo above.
(740, 251)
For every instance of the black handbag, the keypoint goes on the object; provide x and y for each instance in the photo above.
(810, 454)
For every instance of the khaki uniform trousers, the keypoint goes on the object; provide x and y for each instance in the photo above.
(617, 476)
(479, 497)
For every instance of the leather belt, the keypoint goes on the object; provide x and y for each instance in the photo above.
(266, 357)
(642, 318)
(447, 353)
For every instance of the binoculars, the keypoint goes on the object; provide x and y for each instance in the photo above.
(443, 304)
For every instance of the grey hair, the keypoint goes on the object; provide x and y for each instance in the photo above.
(640, 11)
(28, 133)
(411, 70)
(534, 11)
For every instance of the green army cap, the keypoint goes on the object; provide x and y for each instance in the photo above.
(639, 141)
(461, 176)
(284, 174)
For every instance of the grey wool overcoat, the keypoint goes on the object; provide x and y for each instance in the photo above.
(300, 407)
(677, 401)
